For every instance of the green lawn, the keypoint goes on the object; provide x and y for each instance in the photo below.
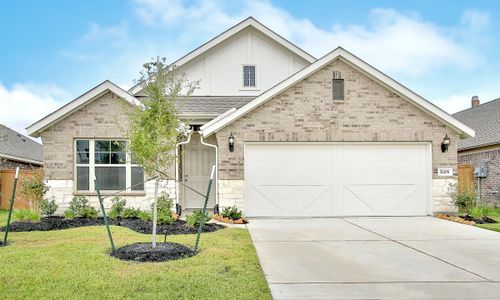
(495, 215)
(74, 263)
(3, 217)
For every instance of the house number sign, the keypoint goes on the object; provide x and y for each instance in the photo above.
(445, 171)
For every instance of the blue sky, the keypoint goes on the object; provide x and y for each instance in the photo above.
(52, 51)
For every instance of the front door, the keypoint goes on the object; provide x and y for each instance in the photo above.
(198, 162)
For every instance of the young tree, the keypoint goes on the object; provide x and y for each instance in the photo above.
(154, 125)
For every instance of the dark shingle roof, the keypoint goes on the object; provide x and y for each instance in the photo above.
(15, 144)
(485, 120)
(210, 105)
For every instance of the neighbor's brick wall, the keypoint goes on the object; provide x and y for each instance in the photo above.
(490, 184)
(99, 119)
(306, 112)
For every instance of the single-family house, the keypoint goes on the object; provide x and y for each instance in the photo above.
(483, 150)
(289, 134)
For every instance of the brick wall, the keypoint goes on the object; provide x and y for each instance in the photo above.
(490, 184)
(305, 112)
(99, 119)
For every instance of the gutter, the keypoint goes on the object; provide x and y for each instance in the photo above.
(216, 208)
(178, 208)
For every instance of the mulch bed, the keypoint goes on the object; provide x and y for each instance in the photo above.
(144, 252)
(220, 218)
(138, 225)
(467, 219)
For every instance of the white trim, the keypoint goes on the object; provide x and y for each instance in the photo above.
(35, 128)
(340, 53)
(216, 166)
(250, 21)
(230, 111)
(177, 180)
(20, 159)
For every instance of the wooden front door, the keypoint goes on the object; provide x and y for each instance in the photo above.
(465, 179)
(198, 162)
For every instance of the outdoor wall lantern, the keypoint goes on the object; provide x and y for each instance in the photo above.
(445, 144)
(231, 142)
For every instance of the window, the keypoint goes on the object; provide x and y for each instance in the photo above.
(110, 163)
(338, 89)
(249, 76)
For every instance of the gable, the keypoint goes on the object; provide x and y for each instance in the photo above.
(218, 63)
(365, 69)
(95, 93)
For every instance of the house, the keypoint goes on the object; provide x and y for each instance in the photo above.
(290, 135)
(483, 150)
(17, 150)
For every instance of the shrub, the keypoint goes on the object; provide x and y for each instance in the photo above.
(47, 208)
(88, 212)
(69, 214)
(33, 187)
(232, 213)
(164, 210)
(117, 208)
(145, 216)
(80, 207)
(195, 218)
(26, 215)
(481, 211)
(465, 201)
(131, 213)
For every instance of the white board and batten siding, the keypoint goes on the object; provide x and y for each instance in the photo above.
(350, 179)
(220, 70)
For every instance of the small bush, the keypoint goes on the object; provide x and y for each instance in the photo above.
(80, 207)
(69, 214)
(47, 208)
(164, 210)
(195, 218)
(131, 213)
(117, 208)
(465, 201)
(88, 212)
(26, 215)
(232, 213)
(145, 216)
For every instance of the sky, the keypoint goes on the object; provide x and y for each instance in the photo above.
(52, 51)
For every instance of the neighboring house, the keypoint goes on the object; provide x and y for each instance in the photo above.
(290, 135)
(484, 148)
(17, 150)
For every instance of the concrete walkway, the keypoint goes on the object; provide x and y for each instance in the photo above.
(377, 258)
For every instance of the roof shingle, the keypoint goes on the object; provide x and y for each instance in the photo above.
(15, 144)
(485, 120)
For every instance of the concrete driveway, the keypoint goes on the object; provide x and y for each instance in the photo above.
(377, 258)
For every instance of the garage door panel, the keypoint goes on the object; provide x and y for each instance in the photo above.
(383, 200)
(336, 180)
(290, 200)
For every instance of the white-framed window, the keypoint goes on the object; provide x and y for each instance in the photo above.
(249, 77)
(110, 163)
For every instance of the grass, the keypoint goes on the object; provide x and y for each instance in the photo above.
(494, 214)
(74, 264)
(3, 217)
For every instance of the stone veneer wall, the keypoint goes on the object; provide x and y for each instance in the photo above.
(490, 186)
(306, 112)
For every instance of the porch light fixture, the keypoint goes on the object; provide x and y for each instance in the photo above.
(445, 144)
(231, 142)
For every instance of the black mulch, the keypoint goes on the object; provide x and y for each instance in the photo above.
(1, 243)
(138, 225)
(483, 220)
(144, 252)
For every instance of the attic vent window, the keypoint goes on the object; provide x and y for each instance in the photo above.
(248, 76)
(337, 86)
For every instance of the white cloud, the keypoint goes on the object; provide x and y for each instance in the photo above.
(23, 104)
(393, 41)
(476, 20)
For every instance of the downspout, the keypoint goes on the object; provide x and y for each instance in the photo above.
(216, 207)
(178, 208)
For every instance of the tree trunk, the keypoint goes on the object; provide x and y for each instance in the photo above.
(157, 181)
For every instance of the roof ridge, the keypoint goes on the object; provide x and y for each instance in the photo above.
(480, 105)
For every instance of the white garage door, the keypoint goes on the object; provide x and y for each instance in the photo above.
(337, 179)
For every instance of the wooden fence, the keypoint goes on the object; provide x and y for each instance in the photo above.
(6, 185)
(465, 178)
